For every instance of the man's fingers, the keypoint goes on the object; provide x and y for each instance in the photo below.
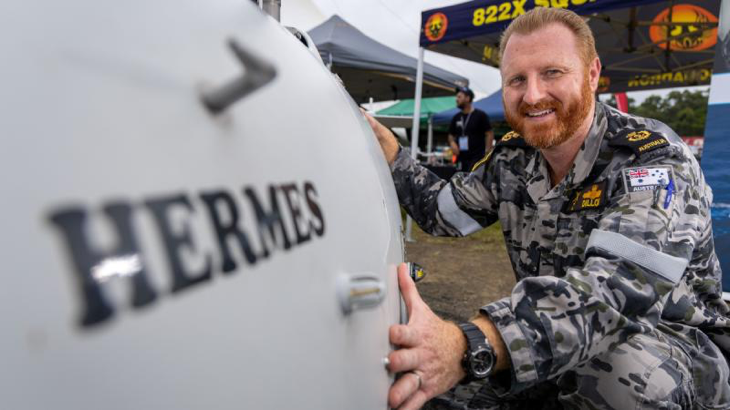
(402, 389)
(415, 402)
(368, 117)
(403, 335)
(402, 360)
(374, 124)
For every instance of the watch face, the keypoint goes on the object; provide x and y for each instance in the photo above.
(481, 362)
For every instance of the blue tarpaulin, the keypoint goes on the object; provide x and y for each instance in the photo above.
(492, 105)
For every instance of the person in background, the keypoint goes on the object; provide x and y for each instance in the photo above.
(470, 133)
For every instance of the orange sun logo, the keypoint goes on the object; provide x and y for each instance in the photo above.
(435, 27)
(688, 36)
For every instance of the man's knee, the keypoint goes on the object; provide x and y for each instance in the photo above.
(645, 372)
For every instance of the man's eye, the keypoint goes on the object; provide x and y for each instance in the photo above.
(552, 73)
(517, 81)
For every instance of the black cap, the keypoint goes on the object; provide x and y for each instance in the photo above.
(467, 91)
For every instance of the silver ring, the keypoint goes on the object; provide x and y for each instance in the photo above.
(418, 376)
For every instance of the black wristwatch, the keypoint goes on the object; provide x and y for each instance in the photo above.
(479, 359)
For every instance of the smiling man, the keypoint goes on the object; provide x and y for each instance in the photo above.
(606, 219)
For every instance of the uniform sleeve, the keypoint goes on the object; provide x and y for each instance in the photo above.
(457, 207)
(634, 259)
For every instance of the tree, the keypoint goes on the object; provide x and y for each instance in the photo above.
(684, 111)
(612, 102)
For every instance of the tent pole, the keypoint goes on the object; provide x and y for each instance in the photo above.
(429, 147)
(416, 127)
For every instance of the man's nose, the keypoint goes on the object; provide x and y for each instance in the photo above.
(534, 92)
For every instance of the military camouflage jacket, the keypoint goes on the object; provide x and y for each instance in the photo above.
(622, 245)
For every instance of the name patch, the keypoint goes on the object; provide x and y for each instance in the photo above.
(591, 197)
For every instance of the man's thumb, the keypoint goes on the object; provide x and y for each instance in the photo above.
(408, 289)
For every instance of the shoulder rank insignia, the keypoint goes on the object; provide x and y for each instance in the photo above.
(640, 142)
(512, 139)
(591, 197)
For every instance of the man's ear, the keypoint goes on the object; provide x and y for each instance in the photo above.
(594, 73)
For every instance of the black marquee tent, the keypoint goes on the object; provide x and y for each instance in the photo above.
(372, 70)
(643, 44)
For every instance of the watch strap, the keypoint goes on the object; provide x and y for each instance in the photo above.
(474, 338)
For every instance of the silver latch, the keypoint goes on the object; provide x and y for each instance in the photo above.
(359, 291)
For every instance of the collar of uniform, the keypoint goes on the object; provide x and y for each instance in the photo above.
(588, 153)
(538, 180)
(538, 177)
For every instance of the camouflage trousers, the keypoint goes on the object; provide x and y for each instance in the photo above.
(649, 371)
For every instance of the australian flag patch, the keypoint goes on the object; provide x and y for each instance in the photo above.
(646, 178)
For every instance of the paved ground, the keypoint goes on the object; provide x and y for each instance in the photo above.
(462, 275)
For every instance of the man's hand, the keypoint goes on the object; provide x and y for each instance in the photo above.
(430, 351)
(454, 146)
(387, 140)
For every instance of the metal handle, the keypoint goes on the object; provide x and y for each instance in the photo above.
(359, 292)
(258, 73)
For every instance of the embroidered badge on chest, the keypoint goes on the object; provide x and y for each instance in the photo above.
(646, 178)
(591, 197)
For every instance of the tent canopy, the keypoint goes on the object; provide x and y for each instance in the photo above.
(372, 70)
(643, 44)
(428, 106)
(492, 105)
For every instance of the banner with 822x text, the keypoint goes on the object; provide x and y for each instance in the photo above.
(480, 17)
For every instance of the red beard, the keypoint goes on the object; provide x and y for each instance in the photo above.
(568, 118)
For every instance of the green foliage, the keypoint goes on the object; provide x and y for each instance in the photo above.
(684, 111)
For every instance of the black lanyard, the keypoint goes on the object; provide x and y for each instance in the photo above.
(464, 123)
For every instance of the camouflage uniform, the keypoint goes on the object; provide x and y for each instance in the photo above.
(618, 301)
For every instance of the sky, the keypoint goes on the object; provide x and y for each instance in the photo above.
(393, 23)
(397, 25)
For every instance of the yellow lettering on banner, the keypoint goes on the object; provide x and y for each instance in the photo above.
(490, 54)
(488, 51)
(519, 6)
(590, 203)
(501, 12)
(491, 14)
(671, 78)
(561, 4)
(504, 9)
(478, 17)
